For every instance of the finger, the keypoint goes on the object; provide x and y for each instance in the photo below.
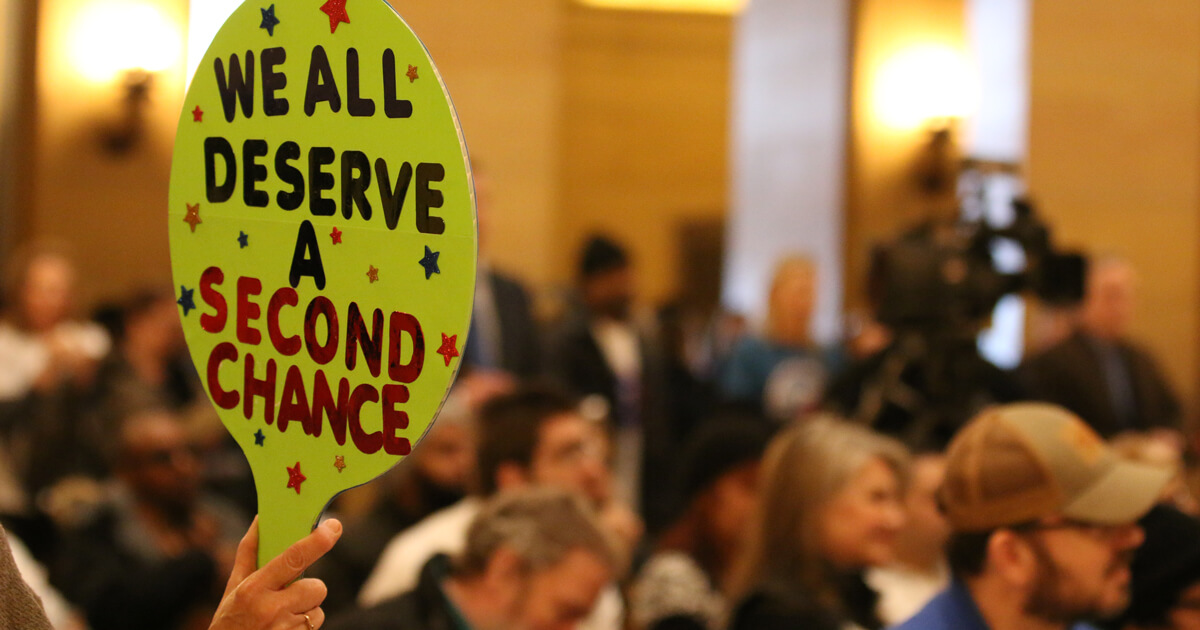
(246, 559)
(296, 621)
(303, 595)
(280, 571)
(316, 617)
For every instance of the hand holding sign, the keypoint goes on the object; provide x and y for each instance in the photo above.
(272, 596)
(323, 240)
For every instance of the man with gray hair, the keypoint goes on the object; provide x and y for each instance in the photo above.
(1098, 372)
(534, 559)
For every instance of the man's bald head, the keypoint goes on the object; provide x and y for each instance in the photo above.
(1109, 300)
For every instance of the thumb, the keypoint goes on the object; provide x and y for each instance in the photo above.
(246, 559)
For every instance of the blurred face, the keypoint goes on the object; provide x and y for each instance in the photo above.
(1083, 570)
(1185, 614)
(610, 293)
(794, 294)
(570, 455)
(160, 464)
(157, 330)
(447, 456)
(561, 596)
(1108, 305)
(46, 296)
(925, 524)
(859, 525)
(730, 502)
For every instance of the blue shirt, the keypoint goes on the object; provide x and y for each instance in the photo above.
(954, 609)
(783, 380)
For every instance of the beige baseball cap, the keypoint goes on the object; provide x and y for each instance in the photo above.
(1017, 463)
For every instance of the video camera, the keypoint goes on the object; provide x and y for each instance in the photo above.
(935, 287)
(943, 278)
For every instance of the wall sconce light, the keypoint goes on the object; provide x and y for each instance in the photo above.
(124, 43)
(930, 88)
(718, 7)
(936, 167)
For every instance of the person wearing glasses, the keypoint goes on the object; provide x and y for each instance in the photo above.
(1045, 523)
(153, 554)
(534, 436)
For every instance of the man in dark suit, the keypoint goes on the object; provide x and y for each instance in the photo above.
(503, 335)
(1097, 372)
(600, 354)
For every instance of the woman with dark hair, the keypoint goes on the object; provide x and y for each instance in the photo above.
(682, 586)
(830, 507)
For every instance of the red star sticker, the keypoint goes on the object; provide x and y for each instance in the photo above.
(197, 114)
(336, 235)
(448, 349)
(372, 273)
(295, 477)
(336, 10)
(339, 462)
(193, 216)
(411, 74)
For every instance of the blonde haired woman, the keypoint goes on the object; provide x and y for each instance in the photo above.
(782, 372)
(830, 506)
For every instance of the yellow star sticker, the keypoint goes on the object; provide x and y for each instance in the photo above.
(372, 273)
(193, 216)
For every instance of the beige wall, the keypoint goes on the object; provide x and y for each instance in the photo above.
(501, 64)
(645, 135)
(1115, 153)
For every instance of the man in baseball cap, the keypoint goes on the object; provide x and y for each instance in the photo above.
(1045, 516)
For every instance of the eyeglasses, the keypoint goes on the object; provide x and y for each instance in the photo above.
(1106, 533)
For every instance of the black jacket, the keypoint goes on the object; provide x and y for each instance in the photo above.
(520, 343)
(119, 587)
(1071, 374)
(781, 607)
(423, 608)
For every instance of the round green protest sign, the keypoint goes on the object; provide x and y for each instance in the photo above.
(323, 244)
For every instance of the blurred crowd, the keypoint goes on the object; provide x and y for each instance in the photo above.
(608, 468)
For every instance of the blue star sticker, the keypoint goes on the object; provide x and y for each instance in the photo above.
(259, 438)
(429, 262)
(185, 300)
(243, 239)
(269, 20)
